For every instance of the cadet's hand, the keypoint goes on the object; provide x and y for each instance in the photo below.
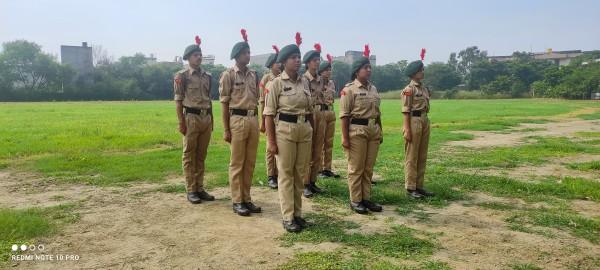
(407, 135)
(272, 148)
(182, 128)
(346, 144)
(227, 136)
(262, 128)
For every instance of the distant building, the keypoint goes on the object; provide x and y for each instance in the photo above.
(208, 59)
(78, 57)
(260, 59)
(350, 56)
(560, 58)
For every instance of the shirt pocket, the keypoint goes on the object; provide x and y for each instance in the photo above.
(239, 87)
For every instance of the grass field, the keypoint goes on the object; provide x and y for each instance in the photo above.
(119, 145)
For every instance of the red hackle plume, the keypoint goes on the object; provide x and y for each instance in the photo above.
(318, 47)
(423, 54)
(244, 35)
(329, 58)
(298, 39)
(198, 40)
(276, 49)
(367, 51)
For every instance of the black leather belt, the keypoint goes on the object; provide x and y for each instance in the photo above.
(324, 107)
(291, 118)
(359, 121)
(242, 112)
(197, 111)
(416, 113)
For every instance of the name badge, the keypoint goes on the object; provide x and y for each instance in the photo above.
(287, 88)
(362, 94)
(239, 83)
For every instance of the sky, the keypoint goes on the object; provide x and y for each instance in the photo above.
(395, 30)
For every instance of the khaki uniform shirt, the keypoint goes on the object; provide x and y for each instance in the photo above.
(315, 86)
(239, 89)
(287, 96)
(415, 97)
(359, 101)
(192, 87)
(263, 83)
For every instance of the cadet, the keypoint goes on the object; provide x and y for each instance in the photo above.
(415, 106)
(289, 122)
(274, 70)
(312, 82)
(239, 100)
(328, 116)
(194, 111)
(361, 133)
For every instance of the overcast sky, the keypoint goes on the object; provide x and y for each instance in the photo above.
(395, 30)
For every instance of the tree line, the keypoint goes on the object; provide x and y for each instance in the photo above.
(29, 74)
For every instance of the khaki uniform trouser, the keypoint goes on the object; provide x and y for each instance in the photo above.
(329, 118)
(294, 144)
(195, 145)
(244, 144)
(364, 146)
(415, 152)
(317, 148)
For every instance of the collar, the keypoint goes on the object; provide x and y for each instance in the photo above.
(285, 76)
(360, 85)
(237, 69)
(310, 76)
(193, 70)
(415, 83)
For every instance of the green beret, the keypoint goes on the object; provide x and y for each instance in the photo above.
(271, 60)
(359, 63)
(413, 68)
(323, 66)
(189, 50)
(310, 55)
(238, 47)
(286, 51)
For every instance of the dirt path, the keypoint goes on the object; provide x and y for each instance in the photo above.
(121, 230)
(518, 135)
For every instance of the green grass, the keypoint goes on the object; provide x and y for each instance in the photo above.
(339, 260)
(22, 226)
(401, 242)
(591, 116)
(586, 166)
(117, 143)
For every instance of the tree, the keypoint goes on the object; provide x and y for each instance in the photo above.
(440, 76)
(469, 57)
(28, 72)
(100, 56)
(341, 74)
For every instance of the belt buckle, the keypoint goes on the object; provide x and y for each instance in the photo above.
(372, 122)
(301, 118)
(250, 113)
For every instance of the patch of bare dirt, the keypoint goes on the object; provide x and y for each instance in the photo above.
(518, 135)
(121, 230)
(478, 238)
(555, 167)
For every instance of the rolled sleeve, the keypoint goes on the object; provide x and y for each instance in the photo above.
(178, 87)
(272, 90)
(406, 100)
(225, 87)
(345, 103)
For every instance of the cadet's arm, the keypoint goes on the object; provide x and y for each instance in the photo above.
(407, 131)
(380, 127)
(345, 132)
(261, 109)
(272, 140)
(180, 116)
(225, 117)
